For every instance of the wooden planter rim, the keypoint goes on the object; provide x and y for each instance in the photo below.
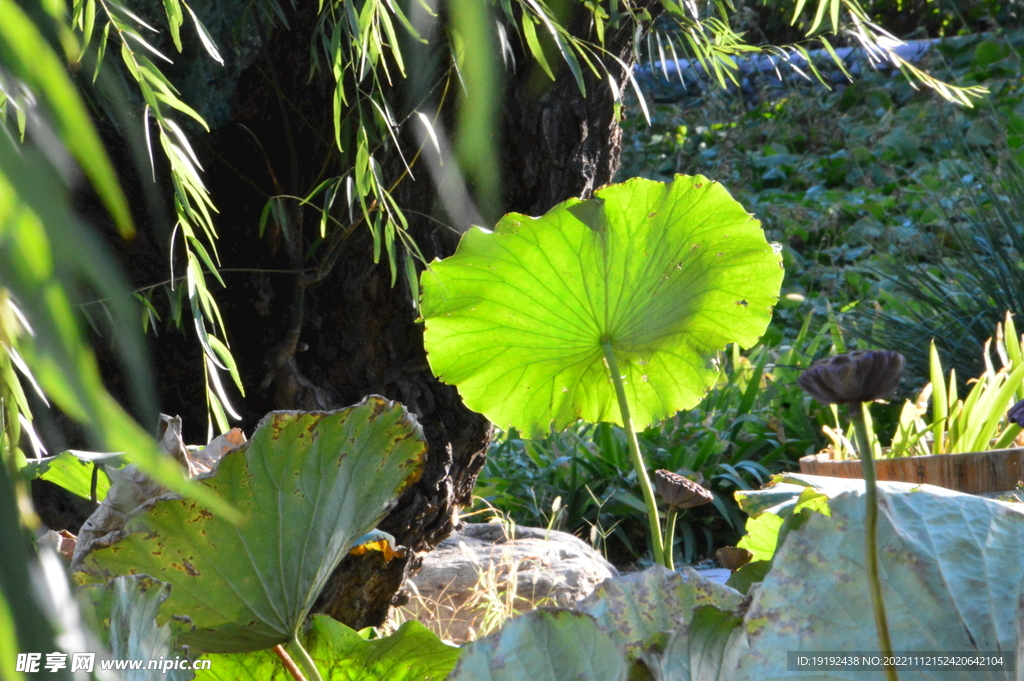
(997, 470)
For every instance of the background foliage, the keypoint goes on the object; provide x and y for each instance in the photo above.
(899, 213)
(900, 185)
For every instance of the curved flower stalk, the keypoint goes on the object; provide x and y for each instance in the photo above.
(860, 377)
(679, 493)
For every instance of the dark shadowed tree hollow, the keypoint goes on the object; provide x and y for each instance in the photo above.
(320, 331)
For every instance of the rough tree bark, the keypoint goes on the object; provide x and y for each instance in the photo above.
(324, 344)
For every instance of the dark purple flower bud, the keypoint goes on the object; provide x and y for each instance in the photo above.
(680, 492)
(733, 557)
(1016, 414)
(858, 376)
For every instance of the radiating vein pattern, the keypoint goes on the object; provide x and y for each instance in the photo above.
(667, 273)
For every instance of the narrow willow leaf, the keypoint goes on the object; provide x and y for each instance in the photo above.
(430, 131)
(175, 18)
(818, 16)
(556, 35)
(101, 50)
(396, 51)
(835, 57)
(412, 278)
(205, 37)
(218, 389)
(216, 415)
(636, 89)
(134, 35)
(134, 17)
(661, 55)
(179, 134)
(530, 31)
(28, 56)
(200, 250)
(810, 63)
(89, 24)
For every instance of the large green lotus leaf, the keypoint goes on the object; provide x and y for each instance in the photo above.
(544, 645)
(951, 580)
(667, 274)
(638, 608)
(307, 484)
(413, 653)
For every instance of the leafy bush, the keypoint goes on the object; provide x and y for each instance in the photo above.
(870, 177)
(753, 422)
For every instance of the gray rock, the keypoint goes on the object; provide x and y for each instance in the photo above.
(480, 575)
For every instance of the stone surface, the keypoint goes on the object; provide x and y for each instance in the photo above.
(484, 572)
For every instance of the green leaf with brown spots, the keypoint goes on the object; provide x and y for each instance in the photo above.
(308, 484)
(662, 275)
(639, 609)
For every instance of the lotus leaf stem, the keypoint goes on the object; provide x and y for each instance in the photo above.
(867, 459)
(288, 662)
(653, 519)
(305, 661)
(670, 537)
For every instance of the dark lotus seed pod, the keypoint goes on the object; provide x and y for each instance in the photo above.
(1016, 413)
(858, 376)
(680, 492)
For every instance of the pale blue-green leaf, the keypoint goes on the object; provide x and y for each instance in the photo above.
(134, 631)
(543, 645)
(948, 568)
(635, 609)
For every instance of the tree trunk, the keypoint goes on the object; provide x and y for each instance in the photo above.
(325, 344)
